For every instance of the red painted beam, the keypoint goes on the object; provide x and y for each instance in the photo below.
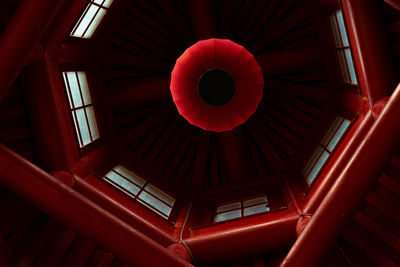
(78, 212)
(233, 152)
(47, 105)
(203, 17)
(352, 185)
(289, 59)
(155, 232)
(139, 93)
(394, 3)
(370, 47)
(244, 238)
(335, 166)
(18, 40)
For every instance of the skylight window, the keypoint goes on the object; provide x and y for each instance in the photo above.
(241, 208)
(139, 189)
(91, 18)
(81, 107)
(324, 150)
(343, 48)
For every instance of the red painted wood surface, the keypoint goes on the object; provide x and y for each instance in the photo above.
(30, 21)
(70, 207)
(345, 195)
(370, 47)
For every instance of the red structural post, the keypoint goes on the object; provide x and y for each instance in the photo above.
(341, 157)
(21, 36)
(127, 215)
(371, 51)
(244, 238)
(352, 185)
(394, 3)
(64, 204)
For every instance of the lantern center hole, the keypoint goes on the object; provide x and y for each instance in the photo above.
(216, 87)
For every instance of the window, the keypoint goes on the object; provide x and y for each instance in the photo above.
(91, 18)
(81, 107)
(323, 151)
(241, 208)
(343, 48)
(139, 189)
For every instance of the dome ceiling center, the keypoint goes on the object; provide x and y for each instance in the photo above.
(216, 85)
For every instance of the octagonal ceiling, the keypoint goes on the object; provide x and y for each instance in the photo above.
(146, 38)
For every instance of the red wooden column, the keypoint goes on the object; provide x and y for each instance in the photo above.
(76, 211)
(370, 47)
(352, 185)
(341, 157)
(21, 36)
(394, 3)
(245, 238)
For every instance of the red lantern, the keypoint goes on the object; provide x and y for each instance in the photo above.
(216, 85)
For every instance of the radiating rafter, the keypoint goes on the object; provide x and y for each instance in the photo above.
(264, 144)
(299, 90)
(140, 93)
(199, 168)
(289, 59)
(203, 18)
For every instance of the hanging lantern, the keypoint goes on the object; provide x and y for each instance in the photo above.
(216, 85)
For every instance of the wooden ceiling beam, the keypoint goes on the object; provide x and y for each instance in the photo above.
(289, 59)
(203, 18)
(140, 93)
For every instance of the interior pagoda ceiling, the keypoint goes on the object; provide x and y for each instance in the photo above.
(140, 52)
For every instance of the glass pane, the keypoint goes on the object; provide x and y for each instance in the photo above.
(227, 215)
(119, 180)
(332, 130)
(350, 65)
(92, 123)
(313, 160)
(84, 88)
(83, 127)
(95, 23)
(154, 202)
(342, 28)
(130, 175)
(76, 128)
(314, 172)
(343, 66)
(254, 201)
(105, 3)
(230, 206)
(85, 20)
(255, 209)
(338, 135)
(74, 87)
(160, 194)
(335, 30)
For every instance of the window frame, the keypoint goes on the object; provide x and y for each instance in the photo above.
(78, 22)
(325, 149)
(242, 208)
(344, 68)
(71, 108)
(142, 188)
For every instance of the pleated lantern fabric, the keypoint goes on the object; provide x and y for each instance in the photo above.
(221, 54)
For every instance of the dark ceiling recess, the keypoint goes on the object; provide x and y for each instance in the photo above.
(216, 87)
(140, 53)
